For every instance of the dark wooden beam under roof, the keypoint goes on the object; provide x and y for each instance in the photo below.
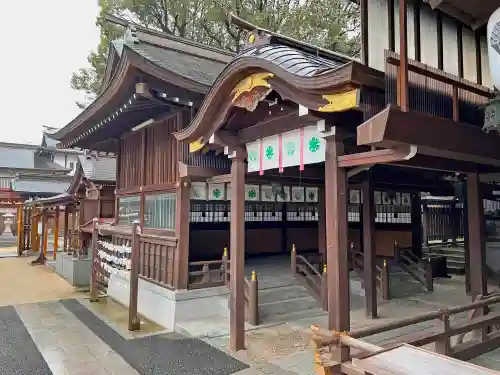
(470, 12)
(433, 136)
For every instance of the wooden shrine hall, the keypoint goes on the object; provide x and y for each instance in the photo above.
(282, 106)
(342, 149)
(90, 194)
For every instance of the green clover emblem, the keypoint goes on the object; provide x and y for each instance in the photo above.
(269, 152)
(252, 156)
(252, 194)
(290, 148)
(314, 144)
(216, 193)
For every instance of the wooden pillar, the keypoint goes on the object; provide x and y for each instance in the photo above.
(425, 224)
(403, 56)
(117, 180)
(73, 229)
(65, 239)
(336, 238)
(20, 236)
(369, 250)
(237, 252)
(95, 261)
(45, 225)
(134, 323)
(41, 240)
(416, 224)
(182, 233)
(322, 223)
(56, 232)
(477, 235)
(465, 213)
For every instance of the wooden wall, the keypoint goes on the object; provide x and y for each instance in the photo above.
(208, 244)
(158, 146)
(129, 174)
(424, 25)
(161, 153)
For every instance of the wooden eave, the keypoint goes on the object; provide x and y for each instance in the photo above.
(472, 13)
(218, 102)
(435, 138)
(118, 90)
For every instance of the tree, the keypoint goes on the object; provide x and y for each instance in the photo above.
(333, 24)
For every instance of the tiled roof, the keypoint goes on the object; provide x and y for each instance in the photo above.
(17, 157)
(40, 186)
(48, 141)
(192, 67)
(101, 169)
(43, 162)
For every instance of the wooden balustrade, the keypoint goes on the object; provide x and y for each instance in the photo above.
(419, 269)
(207, 274)
(156, 253)
(310, 276)
(381, 272)
(335, 351)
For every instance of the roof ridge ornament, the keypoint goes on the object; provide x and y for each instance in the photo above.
(131, 34)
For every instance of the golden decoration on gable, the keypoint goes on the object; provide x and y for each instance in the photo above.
(253, 89)
(341, 101)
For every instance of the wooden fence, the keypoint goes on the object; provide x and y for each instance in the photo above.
(338, 351)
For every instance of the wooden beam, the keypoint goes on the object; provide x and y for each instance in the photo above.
(377, 157)
(278, 124)
(393, 128)
(188, 171)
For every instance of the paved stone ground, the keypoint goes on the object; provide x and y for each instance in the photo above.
(284, 348)
(65, 338)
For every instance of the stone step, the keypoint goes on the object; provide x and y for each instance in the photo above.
(284, 293)
(454, 256)
(294, 316)
(274, 310)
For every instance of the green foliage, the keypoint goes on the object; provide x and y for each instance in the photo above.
(333, 24)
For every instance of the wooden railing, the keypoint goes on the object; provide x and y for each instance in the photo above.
(310, 276)
(419, 269)
(381, 272)
(156, 254)
(156, 259)
(206, 274)
(333, 348)
(212, 273)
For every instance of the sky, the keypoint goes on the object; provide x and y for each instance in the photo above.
(43, 42)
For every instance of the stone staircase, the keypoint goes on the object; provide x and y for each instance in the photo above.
(455, 257)
(282, 298)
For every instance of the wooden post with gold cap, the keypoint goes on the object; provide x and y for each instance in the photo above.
(253, 300)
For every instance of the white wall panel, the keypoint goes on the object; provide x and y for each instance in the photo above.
(469, 48)
(378, 34)
(410, 28)
(428, 36)
(485, 65)
(450, 46)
